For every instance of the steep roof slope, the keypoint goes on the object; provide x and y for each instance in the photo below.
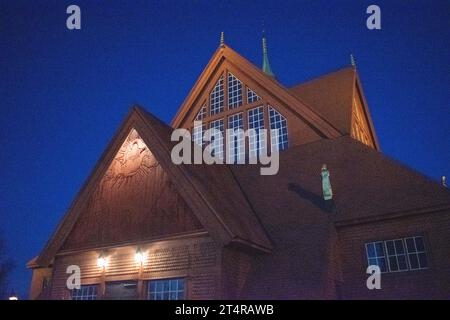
(331, 95)
(218, 189)
(365, 182)
(301, 225)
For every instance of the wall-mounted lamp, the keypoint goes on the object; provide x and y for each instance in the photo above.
(13, 296)
(139, 256)
(101, 261)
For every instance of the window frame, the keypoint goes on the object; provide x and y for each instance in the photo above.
(376, 257)
(257, 141)
(221, 144)
(283, 118)
(93, 285)
(406, 253)
(202, 113)
(248, 90)
(396, 255)
(238, 156)
(162, 280)
(235, 88)
(219, 97)
(417, 253)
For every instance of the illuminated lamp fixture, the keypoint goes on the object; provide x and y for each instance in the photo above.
(101, 261)
(13, 296)
(139, 256)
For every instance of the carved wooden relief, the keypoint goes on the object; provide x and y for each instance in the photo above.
(134, 201)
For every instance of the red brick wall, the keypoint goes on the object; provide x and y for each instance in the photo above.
(433, 282)
(236, 269)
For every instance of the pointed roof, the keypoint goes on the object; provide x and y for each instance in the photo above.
(331, 95)
(226, 221)
(278, 92)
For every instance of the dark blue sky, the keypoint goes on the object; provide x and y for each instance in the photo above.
(63, 93)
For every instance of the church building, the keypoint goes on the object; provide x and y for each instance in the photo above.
(143, 227)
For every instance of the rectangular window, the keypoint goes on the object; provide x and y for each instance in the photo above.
(167, 289)
(197, 134)
(217, 144)
(86, 292)
(417, 256)
(256, 122)
(216, 97)
(376, 255)
(234, 92)
(398, 254)
(121, 290)
(236, 153)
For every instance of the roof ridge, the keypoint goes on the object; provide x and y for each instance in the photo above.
(318, 78)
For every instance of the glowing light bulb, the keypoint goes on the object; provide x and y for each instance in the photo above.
(139, 257)
(101, 262)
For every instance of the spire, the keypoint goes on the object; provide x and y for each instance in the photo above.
(266, 65)
(352, 60)
(222, 39)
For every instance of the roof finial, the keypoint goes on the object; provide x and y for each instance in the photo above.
(266, 65)
(352, 60)
(222, 39)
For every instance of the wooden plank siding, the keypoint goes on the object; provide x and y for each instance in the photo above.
(134, 201)
(196, 259)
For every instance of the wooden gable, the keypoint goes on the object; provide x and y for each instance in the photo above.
(150, 196)
(135, 200)
(362, 128)
(304, 124)
(339, 97)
